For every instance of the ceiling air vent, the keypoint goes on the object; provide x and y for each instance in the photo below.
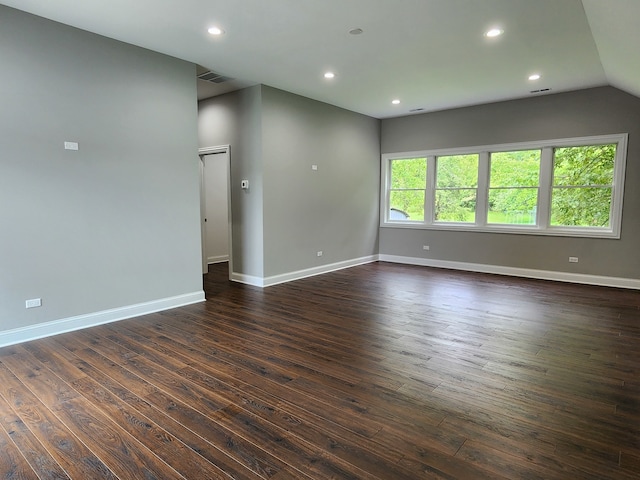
(542, 90)
(213, 77)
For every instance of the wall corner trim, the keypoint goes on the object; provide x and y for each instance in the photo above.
(603, 281)
(41, 330)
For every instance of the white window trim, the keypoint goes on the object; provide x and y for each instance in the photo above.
(542, 226)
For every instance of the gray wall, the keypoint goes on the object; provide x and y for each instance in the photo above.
(234, 119)
(117, 222)
(290, 212)
(334, 209)
(588, 112)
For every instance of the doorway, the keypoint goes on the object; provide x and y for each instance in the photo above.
(215, 206)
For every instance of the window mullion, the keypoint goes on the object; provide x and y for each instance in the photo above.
(482, 193)
(430, 193)
(544, 192)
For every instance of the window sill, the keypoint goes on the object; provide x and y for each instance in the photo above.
(516, 230)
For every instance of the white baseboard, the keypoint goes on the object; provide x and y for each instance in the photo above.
(630, 283)
(247, 279)
(297, 275)
(217, 259)
(41, 330)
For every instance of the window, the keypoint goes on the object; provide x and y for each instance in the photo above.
(408, 186)
(456, 188)
(582, 185)
(514, 181)
(569, 187)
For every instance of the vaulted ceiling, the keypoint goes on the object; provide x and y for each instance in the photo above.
(428, 54)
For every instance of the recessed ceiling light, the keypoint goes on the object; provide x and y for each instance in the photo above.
(494, 32)
(215, 31)
(355, 31)
(329, 75)
(535, 76)
(395, 102)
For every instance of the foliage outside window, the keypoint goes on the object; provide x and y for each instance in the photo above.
(408, 186)
(513, 187)
(456, 188)
(560, 187)
(582, 185)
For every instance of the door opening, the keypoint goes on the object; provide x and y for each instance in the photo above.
(215, 206)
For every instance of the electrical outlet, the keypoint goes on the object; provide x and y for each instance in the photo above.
(319, 253)
(425, 247)
(573, 259)
(34, 302)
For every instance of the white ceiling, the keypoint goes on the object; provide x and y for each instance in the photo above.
(430, 54)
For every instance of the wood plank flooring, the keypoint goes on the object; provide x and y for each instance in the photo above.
(380, 371)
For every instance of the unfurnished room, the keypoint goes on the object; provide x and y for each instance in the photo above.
(285, 239)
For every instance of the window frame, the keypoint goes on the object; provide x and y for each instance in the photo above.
(543, 211)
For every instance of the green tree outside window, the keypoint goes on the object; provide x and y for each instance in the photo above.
(456, 188)
(408, 186)
(513, 187)
(582, 185)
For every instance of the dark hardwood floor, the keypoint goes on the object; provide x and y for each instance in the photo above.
(380, 371)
